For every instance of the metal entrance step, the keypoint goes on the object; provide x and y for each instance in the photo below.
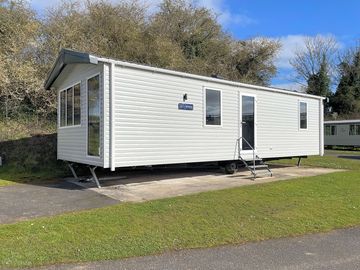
(255, 163)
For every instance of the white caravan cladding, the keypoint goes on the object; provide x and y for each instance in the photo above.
(118, 114)
(342, 133)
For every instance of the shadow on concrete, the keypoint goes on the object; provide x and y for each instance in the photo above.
(350, 157)
(142, 175)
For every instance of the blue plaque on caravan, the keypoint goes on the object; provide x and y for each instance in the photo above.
(186, 106)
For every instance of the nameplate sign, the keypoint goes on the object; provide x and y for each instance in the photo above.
(185, 106)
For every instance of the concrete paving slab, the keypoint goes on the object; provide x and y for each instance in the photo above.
(141, 186)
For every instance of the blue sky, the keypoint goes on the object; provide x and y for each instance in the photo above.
(287, 21)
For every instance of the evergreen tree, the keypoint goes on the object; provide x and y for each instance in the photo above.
(319, 83)
(347, 97)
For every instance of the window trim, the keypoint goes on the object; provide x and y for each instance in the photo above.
(99, 157)
(59, 106)
(299, 115)
(205, 88)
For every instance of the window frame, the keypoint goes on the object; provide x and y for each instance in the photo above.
(299, 115)
(205, 88)
(101, 87)
(59, 106)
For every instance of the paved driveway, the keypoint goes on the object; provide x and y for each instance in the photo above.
(330, 251)
(25, 201)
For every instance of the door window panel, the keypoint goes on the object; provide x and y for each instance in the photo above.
(248, 122)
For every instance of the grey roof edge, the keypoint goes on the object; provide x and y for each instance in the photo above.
(342, 121)
(65, 57)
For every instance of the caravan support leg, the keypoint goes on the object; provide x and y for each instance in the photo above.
(92, 170)
(70, 165)
(299, 162)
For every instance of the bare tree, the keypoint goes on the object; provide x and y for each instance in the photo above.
(319, 50)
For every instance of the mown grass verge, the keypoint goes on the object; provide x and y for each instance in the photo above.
(252, 213)
(329, 161)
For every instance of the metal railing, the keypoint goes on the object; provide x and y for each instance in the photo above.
(253, 152)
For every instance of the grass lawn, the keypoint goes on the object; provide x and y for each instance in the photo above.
(328, 161)
(340, 152)
(238, 215)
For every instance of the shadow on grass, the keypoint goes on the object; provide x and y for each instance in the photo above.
(30, 160)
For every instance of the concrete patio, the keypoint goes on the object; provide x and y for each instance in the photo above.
(138, 186)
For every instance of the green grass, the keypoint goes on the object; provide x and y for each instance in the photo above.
(232, 216)
(10, 175)
(329, 161)
(341, 152)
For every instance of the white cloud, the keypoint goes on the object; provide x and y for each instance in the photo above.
(290, 44)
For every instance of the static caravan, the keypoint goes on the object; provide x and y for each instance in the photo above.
(114, 114)
(342, 133)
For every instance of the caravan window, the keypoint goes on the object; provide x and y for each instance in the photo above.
(62, 109)
(303, 115)
(69, 103)
(354, 130)
(330, 130)
(77, 110)
(69, 106)
(213, 107)
(93, 88)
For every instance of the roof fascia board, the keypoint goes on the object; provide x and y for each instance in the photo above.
(67, 57)
(342, 122)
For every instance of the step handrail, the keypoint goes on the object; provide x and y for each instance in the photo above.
(253, 151)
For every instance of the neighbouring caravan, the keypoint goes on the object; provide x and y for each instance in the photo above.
(115, 114)
(342, 133)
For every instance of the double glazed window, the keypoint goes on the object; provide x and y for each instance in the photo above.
(303, 115)
(93, 89)
(70, 106)
(354, 130)
(213, 107)
(330, 130)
